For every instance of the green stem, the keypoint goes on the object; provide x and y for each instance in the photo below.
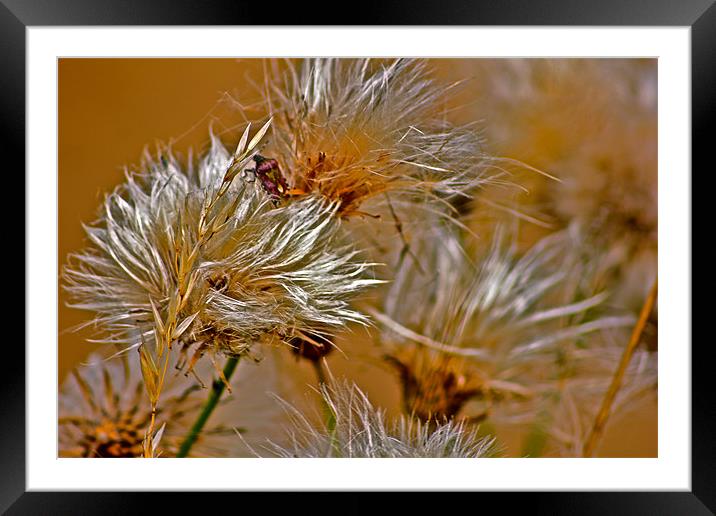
(217, 389)
(327, 410)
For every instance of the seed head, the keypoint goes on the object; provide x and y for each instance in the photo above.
(104, 413)
(503, 315)
(362, 430)
(206, 260)
(354, 130)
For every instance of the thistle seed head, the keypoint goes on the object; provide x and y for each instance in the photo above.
(354, 130)
(505, 314)
(435, 387)
(362, 430)
(104, 413)
(200, 258)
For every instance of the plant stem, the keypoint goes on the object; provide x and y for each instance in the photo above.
(323, 385)
(604, 411)
(327, 410)
(320, 373)
(217, 389)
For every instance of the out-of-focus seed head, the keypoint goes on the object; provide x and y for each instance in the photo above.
(593, 124)
(104, 413)
(506, 316)
(435, 387)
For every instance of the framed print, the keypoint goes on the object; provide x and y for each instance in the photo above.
(423, 256)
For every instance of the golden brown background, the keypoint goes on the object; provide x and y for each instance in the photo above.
(110, 110)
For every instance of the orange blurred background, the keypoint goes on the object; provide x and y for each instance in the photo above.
(110, 110)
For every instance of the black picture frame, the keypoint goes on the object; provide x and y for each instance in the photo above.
(16, 15)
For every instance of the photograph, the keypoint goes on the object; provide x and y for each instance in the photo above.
(333, 257)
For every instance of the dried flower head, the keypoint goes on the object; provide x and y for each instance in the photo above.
(104, 413)
(435, 386)
(361, 430)
(208, 261)
(508, 314)
(354, 130)
(593, 124)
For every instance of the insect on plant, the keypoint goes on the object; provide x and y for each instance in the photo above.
(500, 312)
(269, 174)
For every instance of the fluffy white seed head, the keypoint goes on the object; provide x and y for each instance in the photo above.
(496, 330)
(362, 430)
(354, 130)
(191, 257)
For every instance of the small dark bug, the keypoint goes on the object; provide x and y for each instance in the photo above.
(268, 172)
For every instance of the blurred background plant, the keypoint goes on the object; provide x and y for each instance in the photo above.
(104, 412)
(511, 205)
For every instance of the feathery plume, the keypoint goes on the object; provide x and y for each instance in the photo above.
(591, 368)
(199, 258)
(354, 130)
(362, 430)
(490, 331)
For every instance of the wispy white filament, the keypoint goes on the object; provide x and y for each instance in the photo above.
(362, 430)
(262, 271)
